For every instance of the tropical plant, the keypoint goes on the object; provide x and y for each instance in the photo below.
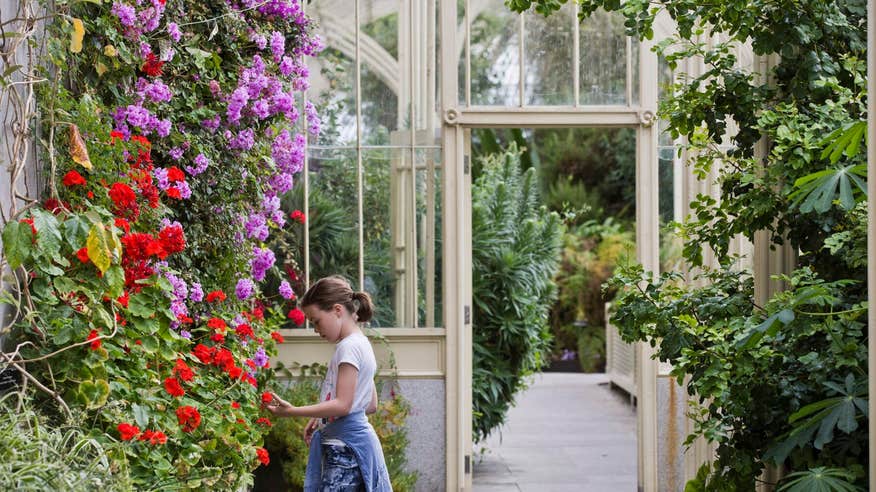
(516, 247)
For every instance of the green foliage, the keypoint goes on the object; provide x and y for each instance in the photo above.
(286, 444)
(38, 454)
(821, 479)
(516, 247)
(589, 255)
(781, 379)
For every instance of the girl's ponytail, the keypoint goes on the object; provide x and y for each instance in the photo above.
(328, 291)
(364, 306)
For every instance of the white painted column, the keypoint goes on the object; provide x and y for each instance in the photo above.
(648, 252)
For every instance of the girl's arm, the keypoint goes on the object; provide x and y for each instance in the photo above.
(372, 407)
(339, 406)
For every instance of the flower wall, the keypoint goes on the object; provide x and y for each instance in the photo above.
(170, 131)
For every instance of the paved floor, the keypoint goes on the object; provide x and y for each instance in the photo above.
(568, 432)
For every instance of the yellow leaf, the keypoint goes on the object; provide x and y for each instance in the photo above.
(98, 250)
(77, 36)
(110, 50)
(77, 148)
(100, 68)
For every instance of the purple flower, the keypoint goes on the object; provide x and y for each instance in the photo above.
(286, 290)
(176, 153)
(263, 259)
(145, 49)
(257, 227)
(162, 128)
(173, 31)
(279, 218)
(127, 15)
(196, 293)
(157, 91)
(201, 164)
(185, 334)
(278, 46)
(260, 358)
(244, 288)
(214, 88)
(288, 154)
(281, 183)
(160, 175)
(287, 66)
(244, 140)
(261, 109)
(313, 120)
(238, 101)
(184, 191)
(212, 124)
(259, 40)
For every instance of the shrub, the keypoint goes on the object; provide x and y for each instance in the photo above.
(515, 246)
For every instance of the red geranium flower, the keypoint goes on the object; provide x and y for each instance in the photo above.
(183, 371)
(122, 195)
(277, 337)
(262, 454)
(203, 353)
(116, 135)
(173, 387)
(218, 338)
(174, 193)
(189, 418)
(140, 139)
(244, 331)
(234, 372)
(127, 431)
(264, 421)
(140, 246)
(123, 224)
(172, 239)
(175, 174)
(72, 178)
(154, 437)
(217, 324)
(123, 299)
(267, 397)
(82, 254)
(224, 359)
(216, 295)
(95, 342)
(297, 316)
(152, 67)
(234, 404)
(298, 216)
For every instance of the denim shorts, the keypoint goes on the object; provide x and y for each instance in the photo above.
(340, 471)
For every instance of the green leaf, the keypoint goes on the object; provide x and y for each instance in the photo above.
(818, 190)
(93, 394)
(17, 243)
(141, 415)
(820, 479)
(141, 305)
(149, 344)
(115, 279)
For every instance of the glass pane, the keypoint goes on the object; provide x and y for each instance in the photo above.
(333, 220)
(549, 53)
(383, 207)
(603, 57)
(495, 55)
(428, 238)
(384, 77)
(333, 86)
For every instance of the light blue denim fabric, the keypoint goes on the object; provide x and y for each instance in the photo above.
(355, 431)
(340, 469)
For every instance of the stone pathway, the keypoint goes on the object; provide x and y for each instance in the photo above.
(568, 432)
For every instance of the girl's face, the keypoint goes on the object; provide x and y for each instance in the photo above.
(326, 323)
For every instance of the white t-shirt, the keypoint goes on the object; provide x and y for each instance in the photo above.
(355, 350)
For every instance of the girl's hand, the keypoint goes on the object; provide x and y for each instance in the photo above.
(279, 407)
(309, 429)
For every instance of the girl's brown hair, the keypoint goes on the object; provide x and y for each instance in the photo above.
(328, 291)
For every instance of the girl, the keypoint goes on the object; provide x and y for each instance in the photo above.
(345, 454)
